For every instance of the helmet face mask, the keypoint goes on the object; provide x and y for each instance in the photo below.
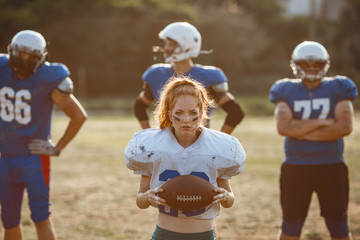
(171, 47)
(27, 52)
(310, 61)
(186, 36)
(21, 65)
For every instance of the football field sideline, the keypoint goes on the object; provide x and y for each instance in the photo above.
(93, 193)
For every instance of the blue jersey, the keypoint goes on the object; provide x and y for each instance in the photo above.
(158, 74)
(318, 102)
(26, 106)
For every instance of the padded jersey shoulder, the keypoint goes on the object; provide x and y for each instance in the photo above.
(281, 88)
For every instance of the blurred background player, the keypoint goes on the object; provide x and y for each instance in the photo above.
(29, 87)
(182, 42)
(182, 146)
(314, 113)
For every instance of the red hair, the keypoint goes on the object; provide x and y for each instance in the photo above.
(174, 88)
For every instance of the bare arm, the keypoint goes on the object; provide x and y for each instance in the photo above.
(142, 198)
(342, 126)
(287, 126)
(73, 109)
(144, 124)
(147, 196)
(226, 196)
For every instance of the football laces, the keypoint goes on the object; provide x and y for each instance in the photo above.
(186, 198)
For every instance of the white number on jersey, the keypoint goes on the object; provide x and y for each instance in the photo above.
(308, 105)
(20, 110)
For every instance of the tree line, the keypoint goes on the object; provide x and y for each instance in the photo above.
(107, 44)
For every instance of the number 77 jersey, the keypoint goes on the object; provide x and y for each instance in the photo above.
(316, 103)
(26, 106)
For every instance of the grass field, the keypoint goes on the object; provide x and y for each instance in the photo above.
(93, 193)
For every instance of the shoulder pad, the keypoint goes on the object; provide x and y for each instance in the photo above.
(229, 154)
(4, 60)
(58, 66)
(209, 67)
(66, 86)
(162, 65)
(137, 152)
(290, 80)
(57, 71)
(208, 75)
(347, 88)
(221, 87)
(155, 69)
(278, 90)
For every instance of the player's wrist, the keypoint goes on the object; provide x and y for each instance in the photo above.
(43, 147)
(56, 151)
(229, 199)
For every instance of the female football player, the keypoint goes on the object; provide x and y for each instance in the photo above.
(182, 146)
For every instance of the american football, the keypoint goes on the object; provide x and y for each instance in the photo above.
(187, 193)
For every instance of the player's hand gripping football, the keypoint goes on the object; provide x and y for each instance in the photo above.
(43, 147)
(222, 196)
(154, 199)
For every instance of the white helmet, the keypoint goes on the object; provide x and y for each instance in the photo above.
(309, 51)
(30, 42)
(188, 38)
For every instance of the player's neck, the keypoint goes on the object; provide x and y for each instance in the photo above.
(311, 84)
(183, 67)
(187, 140)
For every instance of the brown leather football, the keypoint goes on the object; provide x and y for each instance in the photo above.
(187, 193)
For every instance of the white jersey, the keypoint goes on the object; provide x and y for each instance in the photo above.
(157, 153)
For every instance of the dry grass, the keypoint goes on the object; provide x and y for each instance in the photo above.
(93, 193)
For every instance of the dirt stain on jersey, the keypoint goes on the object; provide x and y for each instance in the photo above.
(150, 154)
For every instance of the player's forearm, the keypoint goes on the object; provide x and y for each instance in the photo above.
(342, 124)
(144, 124)
(142, 200)
(299, 128)
(227, 129)
(330, 133)
(226, 192)
(74, 110)
(290, 127)
(229, 201)
(72, 129)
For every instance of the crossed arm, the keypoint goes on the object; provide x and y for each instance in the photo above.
(315, 129)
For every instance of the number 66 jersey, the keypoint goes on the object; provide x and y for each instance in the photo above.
(157, 153)
(26, 105)
(320, 103)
